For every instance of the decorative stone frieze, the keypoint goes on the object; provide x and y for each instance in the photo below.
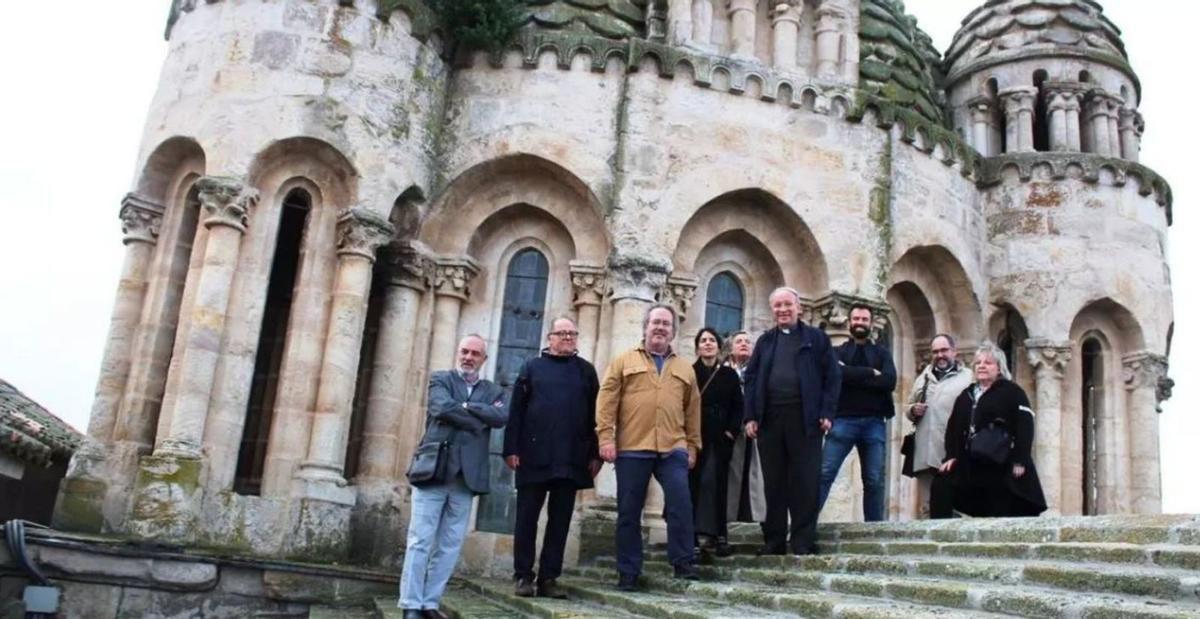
(679, 292)
(140, 220)
(1146, 370)
(226, 202)
(361, 232)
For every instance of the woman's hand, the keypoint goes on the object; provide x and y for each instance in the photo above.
(947, 466)
(1018, 470)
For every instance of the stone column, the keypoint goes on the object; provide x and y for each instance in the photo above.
(679, 21)
(589, 286)
(1132, 125)
(360, 234)
(167, 492)
(1018, 115)
(1147, 385)
(1114, 126)
(679, 292)
(81, 494)
(742, 25)
(830, 23)
(451, 286)
(1049, 361)
(785, 25)
(1097, 114)
(388, 437)
(1062, 106)
(702, 16)
(140, 222)
(226, 204)
(981, 125)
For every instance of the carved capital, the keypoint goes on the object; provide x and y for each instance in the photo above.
(1144, 370)
(1063, 96)
(360, 232)
(140, 220)
(981, 110)
(226, 202)
(679, 292)
(832, 311)
(1102, 103)
(589, 283)
(636, 277)
(401, 264)
(452, 277)
(1018, 99)
(830, 18)
(786, 11)
(1046, 356)
(736, 6)
(1131, 120)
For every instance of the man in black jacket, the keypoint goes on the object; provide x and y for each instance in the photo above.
(551, 443)
(792, 384)
(868, 379)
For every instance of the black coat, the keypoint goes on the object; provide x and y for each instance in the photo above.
(1007, 403)
(861, 388)
(720, 403)
(819, 376)
(552, 420)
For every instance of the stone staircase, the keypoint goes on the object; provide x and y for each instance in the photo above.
(1094, 567)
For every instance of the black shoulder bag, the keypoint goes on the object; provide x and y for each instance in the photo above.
(429, 461)
(991, 443)
(909, 443)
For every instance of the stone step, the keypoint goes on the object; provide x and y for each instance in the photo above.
(1123, 529)
(1141, 580)
(502, 591)
(1161, 555)
(460, 602)
(341, 612)
(943, 591)
(711, 599)
(600, 588)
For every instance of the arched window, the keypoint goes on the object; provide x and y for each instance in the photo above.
(1093, 413)
(1041, 119)
(726, 303)
(284, 268)
(520, 338)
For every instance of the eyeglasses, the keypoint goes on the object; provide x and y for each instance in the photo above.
(565, 333)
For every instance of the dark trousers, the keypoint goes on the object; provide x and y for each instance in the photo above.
(941, 497)
(530, 498)
(792, 483)
(709, 482)
(633, 478)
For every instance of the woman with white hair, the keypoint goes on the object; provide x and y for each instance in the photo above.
(989, 440)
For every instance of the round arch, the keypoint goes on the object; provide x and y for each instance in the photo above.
(944, 281)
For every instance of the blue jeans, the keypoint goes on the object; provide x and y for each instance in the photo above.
(437, 527)
(868, 435)
(633, 478)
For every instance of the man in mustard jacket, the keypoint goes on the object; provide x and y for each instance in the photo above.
(648, 423)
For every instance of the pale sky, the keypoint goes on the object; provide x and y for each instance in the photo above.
(79, 76)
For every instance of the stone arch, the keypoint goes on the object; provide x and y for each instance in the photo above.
(483, 190)
(405, 215)
(170, 161)
(913, 325)
(759, 214)
(1008, 330)
(1117, 334)
(942, 278)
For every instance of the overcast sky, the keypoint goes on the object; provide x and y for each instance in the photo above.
(79, 76)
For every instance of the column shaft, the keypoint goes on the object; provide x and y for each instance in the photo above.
(1058, 130)
(1131, 134)
(1147, 384)
(451, 285)
(786, 35)
(1018, 114)
(1098, 117)
(1049, 362)
(742, 26)
(702, 16)
(679, 21)
(829, 29)
(1074, 135)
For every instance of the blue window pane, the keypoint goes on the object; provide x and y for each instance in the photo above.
(520, 338)
(726, 304)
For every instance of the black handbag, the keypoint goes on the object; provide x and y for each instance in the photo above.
(906, 449)
(428, 466)
(990, 444)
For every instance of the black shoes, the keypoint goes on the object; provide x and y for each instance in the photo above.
(771, 550)
(628, 582)
(686, 571)
(413, 613)
(722, 548)
(524, 588)
(549, 589)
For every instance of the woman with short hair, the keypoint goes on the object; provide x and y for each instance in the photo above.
(989, 440)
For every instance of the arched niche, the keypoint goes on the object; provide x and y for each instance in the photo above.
(780, 237)
(948, 288)
(1107, 331)
(756, 270)
(485, 189)
(1006, 327)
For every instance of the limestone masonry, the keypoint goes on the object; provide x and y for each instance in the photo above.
(325, 202)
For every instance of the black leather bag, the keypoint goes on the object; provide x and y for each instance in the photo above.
(428, 466)
(990, 444)
(907, 447)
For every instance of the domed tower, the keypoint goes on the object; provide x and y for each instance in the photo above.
(1077, 233)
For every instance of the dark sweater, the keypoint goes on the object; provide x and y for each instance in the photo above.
(783, 390)
(552, 420)
(865, 393)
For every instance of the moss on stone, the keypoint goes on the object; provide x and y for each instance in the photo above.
(936, 593)
(1091, 580)
(81, 505)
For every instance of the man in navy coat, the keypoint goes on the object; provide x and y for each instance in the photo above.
(550, 442)
(792, 384)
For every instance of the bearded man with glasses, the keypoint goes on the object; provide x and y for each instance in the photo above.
(550, 443)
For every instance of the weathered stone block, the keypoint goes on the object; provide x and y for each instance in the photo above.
(1134, 583)
(322, 588)
(166, 499)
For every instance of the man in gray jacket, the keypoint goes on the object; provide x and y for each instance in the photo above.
(929, 407)
(462, 410)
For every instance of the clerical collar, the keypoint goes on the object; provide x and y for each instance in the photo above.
(788, 330)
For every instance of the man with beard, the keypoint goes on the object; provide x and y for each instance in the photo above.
(550, 442)
(929, 408)
(865, 405)
(648, 423)
(792, 384)
(462, 410)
